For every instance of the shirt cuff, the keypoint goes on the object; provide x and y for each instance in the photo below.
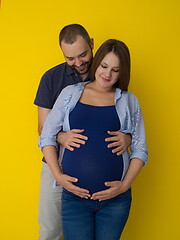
(140, 155)
(47, 141)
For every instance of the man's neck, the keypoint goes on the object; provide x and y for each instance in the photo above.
(84, 76)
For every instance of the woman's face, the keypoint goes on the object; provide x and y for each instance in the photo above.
(108, 71)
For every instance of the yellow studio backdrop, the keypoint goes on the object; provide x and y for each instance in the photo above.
(29, 46)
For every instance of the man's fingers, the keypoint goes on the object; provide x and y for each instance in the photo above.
(111, 139)
(80, 136)
(116, 150)
(77, 130)
(77, 140)
(114, 144)
(120, 152)
(113, 132)
(73, 144)
(70, 148)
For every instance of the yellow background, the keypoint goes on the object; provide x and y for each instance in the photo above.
(29, 46)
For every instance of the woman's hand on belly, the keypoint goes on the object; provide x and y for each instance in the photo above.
(115, 188)
(67, 182)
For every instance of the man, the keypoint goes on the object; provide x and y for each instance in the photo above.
(77, 48)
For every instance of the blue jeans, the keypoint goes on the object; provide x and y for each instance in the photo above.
(86, 219)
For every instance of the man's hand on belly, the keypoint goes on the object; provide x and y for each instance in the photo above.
(120, 142)
(71, 139)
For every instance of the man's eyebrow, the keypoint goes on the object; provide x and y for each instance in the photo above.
(83, 53)
(68, 57)
(78, 55)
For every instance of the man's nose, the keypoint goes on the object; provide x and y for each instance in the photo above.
(78, 62)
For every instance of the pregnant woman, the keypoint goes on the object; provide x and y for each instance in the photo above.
(99, 106)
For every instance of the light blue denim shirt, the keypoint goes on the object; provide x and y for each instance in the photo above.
(128, 110)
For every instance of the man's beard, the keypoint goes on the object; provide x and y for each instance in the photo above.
(86, 65)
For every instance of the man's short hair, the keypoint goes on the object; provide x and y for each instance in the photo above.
(70, 32)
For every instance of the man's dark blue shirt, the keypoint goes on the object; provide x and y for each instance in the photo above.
(53, 82)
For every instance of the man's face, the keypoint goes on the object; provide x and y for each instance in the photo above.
(78, 55)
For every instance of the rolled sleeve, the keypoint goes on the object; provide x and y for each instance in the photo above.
(140, 155)
(47, 141)
(138, 146)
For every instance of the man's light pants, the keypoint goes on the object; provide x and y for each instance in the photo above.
(49, 207)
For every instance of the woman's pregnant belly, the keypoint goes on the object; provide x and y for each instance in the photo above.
(93, 164)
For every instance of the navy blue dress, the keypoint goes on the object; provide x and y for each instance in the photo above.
(93, 163)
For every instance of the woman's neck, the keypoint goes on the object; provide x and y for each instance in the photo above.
(94, 86)
(97, 96)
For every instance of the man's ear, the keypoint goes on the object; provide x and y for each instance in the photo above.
(92, 43)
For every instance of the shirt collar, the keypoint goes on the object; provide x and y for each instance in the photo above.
(69, 70)
(118, 94)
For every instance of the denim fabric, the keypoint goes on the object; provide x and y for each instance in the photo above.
(128, 110)
(86, 219)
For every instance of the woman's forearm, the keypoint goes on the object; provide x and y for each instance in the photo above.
(51, 157)
(66, 181)
(133, 171)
